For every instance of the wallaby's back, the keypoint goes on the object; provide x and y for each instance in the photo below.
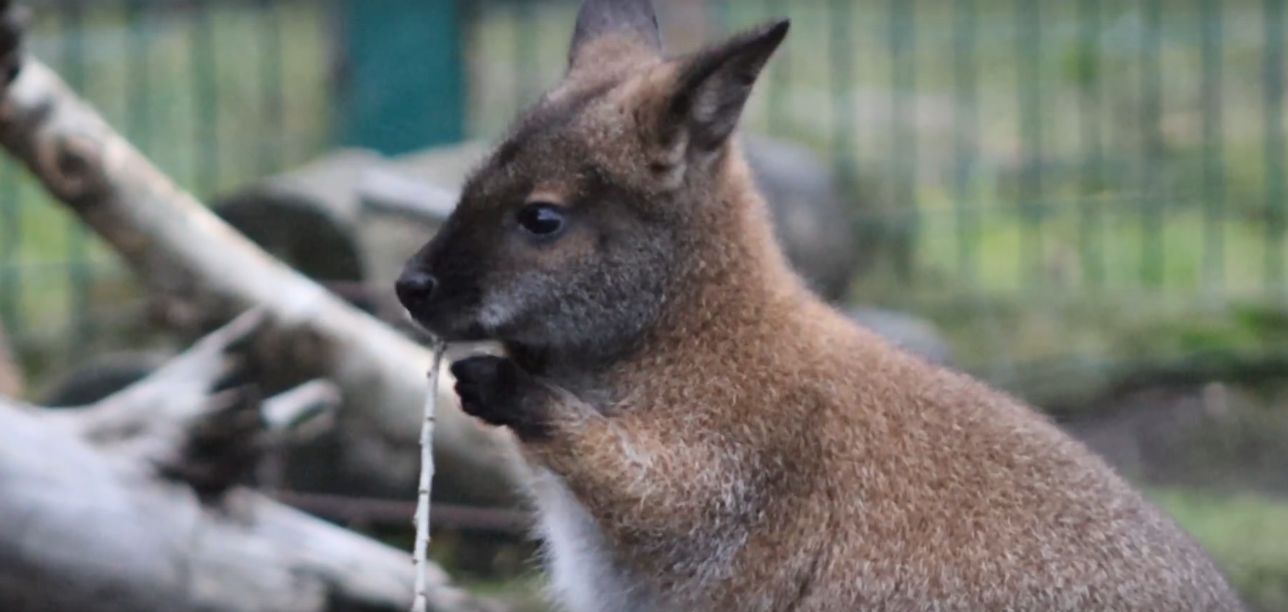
(960, 498)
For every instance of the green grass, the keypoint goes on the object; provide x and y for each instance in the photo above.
(1247, 535)
(521, 595)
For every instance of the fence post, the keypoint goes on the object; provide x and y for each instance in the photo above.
(403, 83)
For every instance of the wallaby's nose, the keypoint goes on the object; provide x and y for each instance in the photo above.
(414, 288)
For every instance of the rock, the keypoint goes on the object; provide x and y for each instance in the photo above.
(917, 336)
(295, 228)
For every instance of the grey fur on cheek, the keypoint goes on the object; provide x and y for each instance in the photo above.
(598, 308)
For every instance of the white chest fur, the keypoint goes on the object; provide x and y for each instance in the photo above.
(583, 575)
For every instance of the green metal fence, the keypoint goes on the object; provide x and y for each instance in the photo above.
(1001, 152)
(216, 93)
(1039, 175)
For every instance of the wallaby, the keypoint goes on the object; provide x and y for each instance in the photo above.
(703, 433)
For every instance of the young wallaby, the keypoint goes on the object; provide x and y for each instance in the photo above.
(704, 434)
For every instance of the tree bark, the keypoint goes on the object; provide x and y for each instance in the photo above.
(177, 246)
(129, 504)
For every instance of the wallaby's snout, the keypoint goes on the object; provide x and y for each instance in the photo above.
(438, 287)
(415, 288)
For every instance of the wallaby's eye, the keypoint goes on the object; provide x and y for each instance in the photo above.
(541, 219)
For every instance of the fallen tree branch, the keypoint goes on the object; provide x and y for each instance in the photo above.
(178, 247)
(131, 504)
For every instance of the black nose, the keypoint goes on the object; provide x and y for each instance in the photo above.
(415, 287)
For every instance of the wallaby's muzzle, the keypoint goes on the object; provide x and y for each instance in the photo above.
(446, 304)
(415, 288)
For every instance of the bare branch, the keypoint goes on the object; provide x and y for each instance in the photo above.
(100, 527)
(420, 554)
(179, 247)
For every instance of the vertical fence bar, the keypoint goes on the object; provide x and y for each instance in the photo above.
(718, 18)
(78, 264)
(841, 60)
(1211, 31)
(271, 145)
(526, 63)
(965, 134)
(206, 97)
(138, 89)
(903, 139)
(779, 78)
(10, 249)
(1091, 227)
(1273, 65)
(1151, 74)
(1029, 60)
(407, 83)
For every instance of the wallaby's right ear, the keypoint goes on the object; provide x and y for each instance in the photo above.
(628, 20)
(701, 105)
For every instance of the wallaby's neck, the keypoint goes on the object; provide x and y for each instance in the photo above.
(735, 272)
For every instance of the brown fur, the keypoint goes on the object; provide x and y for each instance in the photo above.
(735, 444)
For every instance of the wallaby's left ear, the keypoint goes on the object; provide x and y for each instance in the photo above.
(628, 20)
(713, 86)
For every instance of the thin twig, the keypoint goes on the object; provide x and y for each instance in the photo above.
(421, 550)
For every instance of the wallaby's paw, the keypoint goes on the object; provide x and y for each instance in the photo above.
(498, 392)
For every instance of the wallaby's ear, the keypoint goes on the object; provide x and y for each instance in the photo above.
(712, 88)
(632, 20)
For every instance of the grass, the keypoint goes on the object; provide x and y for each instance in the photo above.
(521, 595)
(1245, 533)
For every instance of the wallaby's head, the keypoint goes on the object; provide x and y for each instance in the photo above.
(577, 230)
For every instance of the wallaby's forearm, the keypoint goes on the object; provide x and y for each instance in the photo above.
(643, 472)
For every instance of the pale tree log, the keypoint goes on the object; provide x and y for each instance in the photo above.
(131, 504)
(178, 247)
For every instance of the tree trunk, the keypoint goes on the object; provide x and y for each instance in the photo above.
(177, 246)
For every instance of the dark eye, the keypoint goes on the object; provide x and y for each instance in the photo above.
(541, 219)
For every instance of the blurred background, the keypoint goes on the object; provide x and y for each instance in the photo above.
(1081, 201)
